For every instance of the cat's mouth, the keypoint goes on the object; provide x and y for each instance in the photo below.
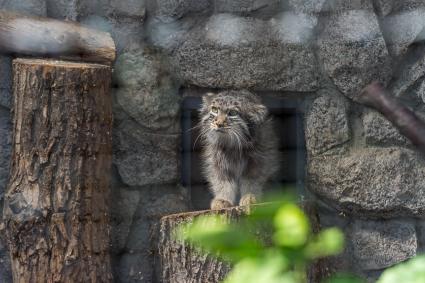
(219, 130)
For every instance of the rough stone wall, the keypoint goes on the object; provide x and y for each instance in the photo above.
(367, 177)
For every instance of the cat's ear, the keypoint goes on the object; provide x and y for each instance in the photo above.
(258, 113)
(206, 98)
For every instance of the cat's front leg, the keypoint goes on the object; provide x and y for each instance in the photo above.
(251, 192)
(224, 194)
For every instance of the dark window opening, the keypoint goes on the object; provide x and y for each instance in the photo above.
(288, 120)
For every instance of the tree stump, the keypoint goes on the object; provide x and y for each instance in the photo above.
(180, 262)
(56, 206)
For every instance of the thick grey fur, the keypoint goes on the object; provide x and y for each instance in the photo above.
(240, 152)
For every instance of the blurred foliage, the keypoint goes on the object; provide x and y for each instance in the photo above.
(257, 257)
(274, 243)
(411, 271)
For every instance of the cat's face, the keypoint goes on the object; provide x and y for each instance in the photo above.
(228, 118)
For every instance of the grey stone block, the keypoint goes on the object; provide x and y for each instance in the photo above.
(407, 5)
(306, 6)
(353, 51)
(403, 28)
(327, 6)
(373, 182)
(420, 91)
(5, 267)
(126, 32)
(63, 9)
(155, 109)
(138, 69)
(123, 207)
(169, 36)
(379, 131)
(144, 158)
(242, 6)
(409, 77)
(5, 71)
(343, 5)
(167, 204)
(5, 148)
(332, 218)
(236, 52)
(420, 234)
(171, 10)
(157, 201)
(420, 230)
(371, 276)
(30, 7)
(384, 7)
(129, 8)
(87, 8)
(5, 154)
(147, 92)
(124, 20)
(138, 263)
(135, 267)
(381, 244)
(5, 98)
(135, 9)
(5, 81)
(326, 121)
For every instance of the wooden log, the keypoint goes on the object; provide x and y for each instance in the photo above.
(56, 206)
(44, 37)
(180, 262)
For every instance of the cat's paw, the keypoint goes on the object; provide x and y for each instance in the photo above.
(218, 203)
(247, 199)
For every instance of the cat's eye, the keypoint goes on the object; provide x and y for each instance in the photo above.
(214, 110)
(233, 113)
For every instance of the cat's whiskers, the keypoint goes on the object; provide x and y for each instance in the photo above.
(195, 127)
(238, 140)
(201, 134)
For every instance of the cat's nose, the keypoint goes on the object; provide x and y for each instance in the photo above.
(220, 122)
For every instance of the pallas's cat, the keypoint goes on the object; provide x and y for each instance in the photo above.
(240, 149)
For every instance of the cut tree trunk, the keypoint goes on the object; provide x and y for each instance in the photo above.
(56, 205)
(44, 37)
(179, 262)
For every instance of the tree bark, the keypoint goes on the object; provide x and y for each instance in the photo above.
(43, 37)
(56, 206)
(179, 262)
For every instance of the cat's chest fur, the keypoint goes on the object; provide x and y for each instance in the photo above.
(239, 147)
(230, 163)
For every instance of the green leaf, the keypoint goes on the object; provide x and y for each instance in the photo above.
(292, 226)
(215, 235)
(270, 206)
(344, 278)
(328, 242)
(272, 268)
(412, 271)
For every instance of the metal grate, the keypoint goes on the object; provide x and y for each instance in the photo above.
(288, 118)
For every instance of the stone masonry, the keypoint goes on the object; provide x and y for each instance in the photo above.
(367, 178)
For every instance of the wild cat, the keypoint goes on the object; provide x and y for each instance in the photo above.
(240, 148)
